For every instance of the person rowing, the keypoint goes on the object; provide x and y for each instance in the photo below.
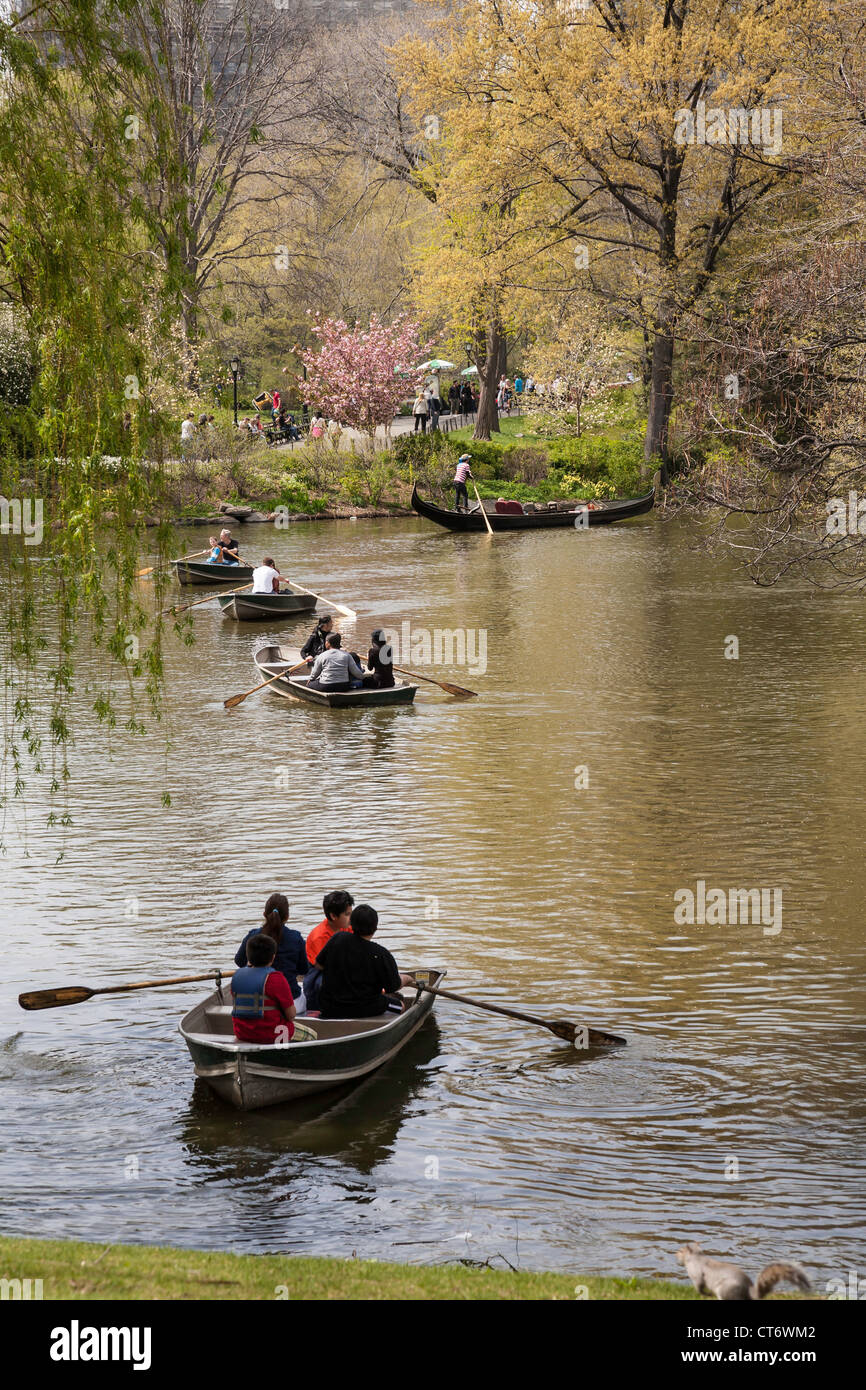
(360, 978)
(315, 643)
(228, 549)
(333, 669)
(266, 578)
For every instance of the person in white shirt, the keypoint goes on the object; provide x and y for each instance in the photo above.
(266, 578)
(335, 669)
(420, 410)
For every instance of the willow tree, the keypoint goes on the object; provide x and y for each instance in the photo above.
(78, 288)
(654, 127)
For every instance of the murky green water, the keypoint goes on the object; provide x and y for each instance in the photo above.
(736, 1114)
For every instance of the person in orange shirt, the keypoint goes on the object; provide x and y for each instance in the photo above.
(337, 907)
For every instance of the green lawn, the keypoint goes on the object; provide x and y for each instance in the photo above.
(74, 1270)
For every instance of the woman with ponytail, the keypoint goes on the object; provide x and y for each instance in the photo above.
(291, 950)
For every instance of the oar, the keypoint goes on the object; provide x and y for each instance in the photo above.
(481, 505)
(206, 599)
(239, 699)
(140, 574)
(458, 690)
(341, 608)
(76, 994)
(577, 1034)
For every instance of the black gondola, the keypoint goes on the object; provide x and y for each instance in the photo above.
(538, 515)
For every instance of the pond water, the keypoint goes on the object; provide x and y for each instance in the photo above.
(536, 842)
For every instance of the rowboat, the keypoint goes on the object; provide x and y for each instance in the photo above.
(324, 1052)
(200, 572)
(536, 516)
(257, 607)
(271, 660)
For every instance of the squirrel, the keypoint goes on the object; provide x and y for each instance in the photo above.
(728, 1281)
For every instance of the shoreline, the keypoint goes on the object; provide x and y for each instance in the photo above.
(83, 1270)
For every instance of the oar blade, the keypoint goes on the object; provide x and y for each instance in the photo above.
(54, 998)
(235, 700)
(583, 1037)
(458, 691)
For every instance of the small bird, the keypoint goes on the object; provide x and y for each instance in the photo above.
(728, 1281)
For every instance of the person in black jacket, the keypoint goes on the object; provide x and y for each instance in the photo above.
(315, 643)
(380, 671)
(360, 978)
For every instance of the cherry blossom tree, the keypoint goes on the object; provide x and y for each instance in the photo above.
(358, 375)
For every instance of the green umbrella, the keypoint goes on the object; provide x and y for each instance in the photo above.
(437, 364)
(469, 371)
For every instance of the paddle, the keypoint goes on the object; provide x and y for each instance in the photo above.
(140, 574)
(239, 699)
(481, 505)
(577, 1034)
(341, 608)
(457, 690)
(206, 599)
(76, 994)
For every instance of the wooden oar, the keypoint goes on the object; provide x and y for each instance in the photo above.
(140, 574)
(577, 1034)
(341, 608)
(481, 505)
(239, 699)
(458, 690)
(76, 994)
(207, 599)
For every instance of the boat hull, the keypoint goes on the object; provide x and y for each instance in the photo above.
(194, 572)
(253, 1076)
(269, 660)
(247, 608)
(578, 516)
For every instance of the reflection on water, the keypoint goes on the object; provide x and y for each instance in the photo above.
(736, 1114)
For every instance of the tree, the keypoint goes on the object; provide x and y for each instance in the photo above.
(655, 130)
(219, 100)
(357, 375)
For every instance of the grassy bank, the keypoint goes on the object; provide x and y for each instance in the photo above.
(74, 1270)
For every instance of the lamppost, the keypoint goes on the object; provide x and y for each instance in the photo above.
(235, 367)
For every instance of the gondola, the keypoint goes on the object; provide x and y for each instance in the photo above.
(200, 572)
(259, 607)
(270, 660)
(324, 1052)
(536, 516)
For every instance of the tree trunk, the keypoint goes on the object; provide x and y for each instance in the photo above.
(661, 399)
(487, 419)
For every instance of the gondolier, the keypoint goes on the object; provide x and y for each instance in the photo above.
(464, 471)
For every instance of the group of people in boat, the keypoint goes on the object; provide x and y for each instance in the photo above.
(334, 669)
(338, 972)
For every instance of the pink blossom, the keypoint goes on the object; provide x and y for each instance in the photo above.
(353, 376)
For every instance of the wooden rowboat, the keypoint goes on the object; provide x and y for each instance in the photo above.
(200, 572)
(270, 660)
(258, 607)
(324, 1052)
(577, 515)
